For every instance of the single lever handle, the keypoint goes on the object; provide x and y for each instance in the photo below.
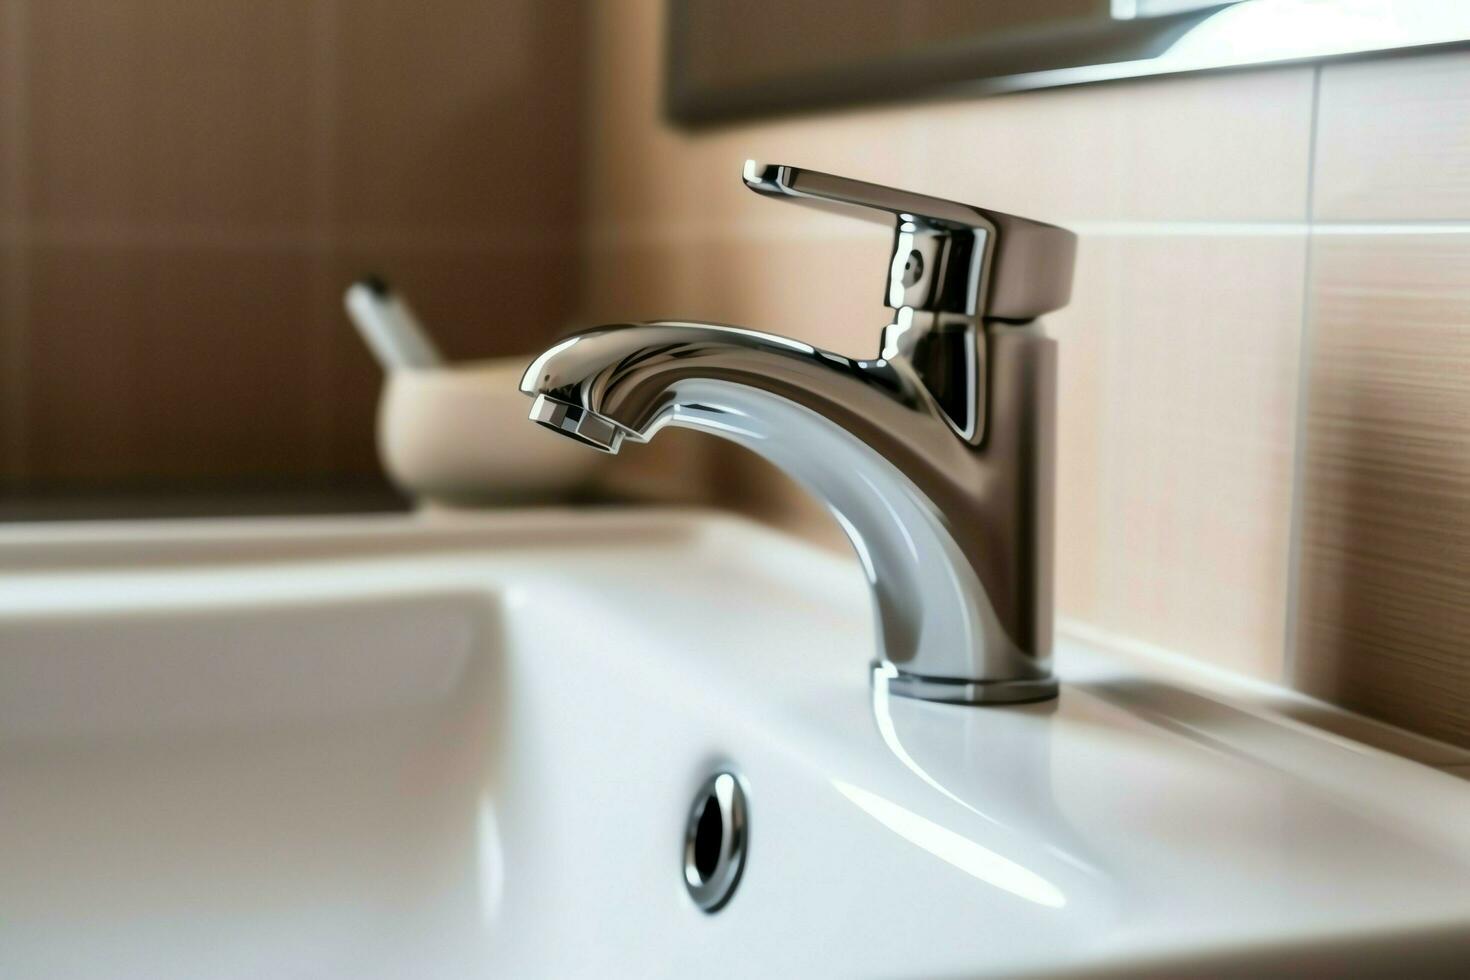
(947, 257)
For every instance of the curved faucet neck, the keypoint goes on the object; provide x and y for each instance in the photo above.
(951, 521)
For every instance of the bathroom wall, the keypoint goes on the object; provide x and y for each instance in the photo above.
(1265, 406)
(1265, 380)
(187, 187)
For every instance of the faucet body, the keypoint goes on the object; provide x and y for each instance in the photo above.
(936, 457)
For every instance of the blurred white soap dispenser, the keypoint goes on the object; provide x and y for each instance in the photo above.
(456, 435)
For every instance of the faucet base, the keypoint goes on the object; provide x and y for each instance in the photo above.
(946, 691)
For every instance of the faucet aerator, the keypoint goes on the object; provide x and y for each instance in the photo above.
(577, 422)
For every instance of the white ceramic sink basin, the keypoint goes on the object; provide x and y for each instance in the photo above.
(408, 747)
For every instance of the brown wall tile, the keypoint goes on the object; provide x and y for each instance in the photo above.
(169, 111)
(14, 376)
(12, 81)
(1393, 139)
(1383, 606)
(150, 365)
(437, 143)
(456, 173)
(460, 116)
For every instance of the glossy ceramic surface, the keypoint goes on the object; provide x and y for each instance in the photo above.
(395, 747)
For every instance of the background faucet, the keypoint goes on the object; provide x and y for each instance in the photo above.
(936, 457)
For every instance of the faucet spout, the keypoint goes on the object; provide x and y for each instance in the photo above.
(935, 456)
(951, 525)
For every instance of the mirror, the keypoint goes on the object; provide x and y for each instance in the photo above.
(734, 59)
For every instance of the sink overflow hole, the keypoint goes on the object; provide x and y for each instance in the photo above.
(715, 841)
(707, 839)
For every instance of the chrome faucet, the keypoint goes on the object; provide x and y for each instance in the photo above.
(936, 457)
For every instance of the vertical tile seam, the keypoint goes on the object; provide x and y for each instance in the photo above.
(15, 393)
(322, 412)
(1300, 434)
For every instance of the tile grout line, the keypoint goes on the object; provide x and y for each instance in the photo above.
(327, 239)
(1296, 511)
(305, 242)
(622, 235)
(15, 285)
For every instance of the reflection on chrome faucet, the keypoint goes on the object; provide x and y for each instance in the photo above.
(936, 456)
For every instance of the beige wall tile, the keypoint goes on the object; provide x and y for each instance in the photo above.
(169, 364)
(1393, 139)
(1179, 365)
(1178, 387)
(1199, 148)
(169, 111)
(640, 280)
(1383, 611)
(1179, 354)
(1212, 147)
(826, 292)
